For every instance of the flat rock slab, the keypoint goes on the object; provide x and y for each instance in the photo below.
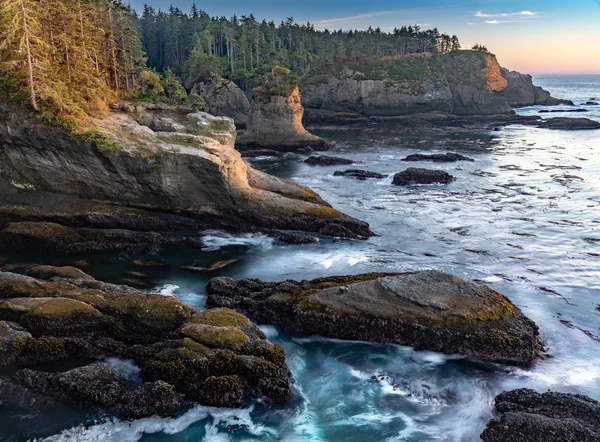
(528, 416)
(428, 310)
(414, 175)
(438, 157)
(565, 123)
(358, 174)
(325, 160)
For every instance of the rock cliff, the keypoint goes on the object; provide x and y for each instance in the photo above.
(461, 82)
(159, 158)
(224, 98)
(275, 119)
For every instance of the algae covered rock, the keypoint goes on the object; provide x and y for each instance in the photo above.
(428, 310)
(415, 175)
(529, 416)
(216, 357)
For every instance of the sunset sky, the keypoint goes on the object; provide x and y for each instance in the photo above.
(533, 36)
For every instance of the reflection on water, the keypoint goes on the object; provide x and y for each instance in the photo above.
(523, 218)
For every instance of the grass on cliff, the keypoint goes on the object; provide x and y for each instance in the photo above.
(77, 131)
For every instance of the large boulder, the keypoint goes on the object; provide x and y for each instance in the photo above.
(529, 416)
(155, 157)
(428, 310)
(476, 83)
(566, 123)
(415, 175)
(224, 98)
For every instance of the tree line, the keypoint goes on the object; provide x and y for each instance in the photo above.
(73, 57)
(239, 47)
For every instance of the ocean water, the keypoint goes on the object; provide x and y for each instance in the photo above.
(523, 218)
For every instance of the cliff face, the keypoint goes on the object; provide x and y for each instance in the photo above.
(224, 98)
(476, 83)
(393, 86)
(462, 83)
(162, 158)
(275, 119)
(521, 92)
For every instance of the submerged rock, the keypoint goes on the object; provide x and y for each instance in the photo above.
(296, 238)
(528, 416)
(565, 123)
(428, 310)
(438, 157)
(325, 160)
(553, 111)
(414, 175)
(216, 357)
(358, 174)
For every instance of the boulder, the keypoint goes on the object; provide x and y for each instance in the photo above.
(224, 98)
(358, 174)
(528, 416)
(414, 175)
(592, 103)
(324, 160)
(565, 123)
(438, 157)
(428, 310)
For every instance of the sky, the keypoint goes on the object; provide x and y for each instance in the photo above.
(530, 36)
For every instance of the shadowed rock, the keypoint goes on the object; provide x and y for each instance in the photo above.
(325, 160)
(438, 157)
(528, 416)
(428, 310)
(414, 175)
(296, 238)
(565, 123)
(358, 174)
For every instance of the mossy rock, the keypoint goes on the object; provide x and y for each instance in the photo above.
(36, 229)
(156, 311)
(325, 212)
(47, 307)
(220, 317)
(212, 336)
(48, 272)
(222, 391)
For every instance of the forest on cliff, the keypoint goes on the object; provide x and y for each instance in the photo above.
(73, 57)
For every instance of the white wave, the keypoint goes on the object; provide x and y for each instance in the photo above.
(116, 430)
(126, 368)
(269, 330)
(214, 240)
(167, 289)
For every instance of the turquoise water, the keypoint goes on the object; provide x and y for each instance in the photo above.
(523, 218)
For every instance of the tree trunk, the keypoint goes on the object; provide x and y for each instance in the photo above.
(32, 97)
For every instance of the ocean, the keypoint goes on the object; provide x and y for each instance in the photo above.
(523, 218)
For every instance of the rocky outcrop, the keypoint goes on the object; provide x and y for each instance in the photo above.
(326, 160)
(358, 174)
(215, 357)
(275, 120)
(415, 175)
(154, 158)
(476, 83)
(383, 86)
(528, 416)
(565, 123)
(428, 310)
(224, 98)
(521, 91)
(438, 157)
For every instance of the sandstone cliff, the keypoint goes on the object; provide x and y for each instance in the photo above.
(161, 158)
(275, 119)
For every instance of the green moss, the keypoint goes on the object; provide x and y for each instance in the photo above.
(211, 336)
(35, 229)
(156, 310)
(222, 317)
(499, 339)
(47, 272)
(325, 212)
(272, 353)
(102, 141)
(63, 307)
(44, 349)
(503, 310)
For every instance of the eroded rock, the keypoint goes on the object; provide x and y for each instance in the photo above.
(358, 174)
(414, 175)
(325, 160)
(438, 157)
(428, 310)
(529, 416)
(565, 123)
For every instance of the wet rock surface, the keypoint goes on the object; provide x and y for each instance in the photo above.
(414, 175)
(428, 310)
(325, 160)
(215, 357)
(358, 174)
(296, 238)
(438, 157)
(564, 123)
(529, 416)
